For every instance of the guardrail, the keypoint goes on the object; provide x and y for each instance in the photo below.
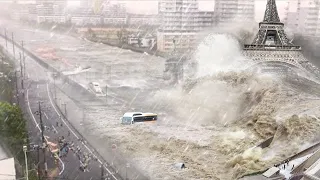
(271, 47)
(122, 162)
(79, 134)
(25, 109)
(48, 66)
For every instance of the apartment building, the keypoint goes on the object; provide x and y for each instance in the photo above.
(24, 12)
(180, 22)
(85, 16)
(303, 17)
(143, 19)
(205, 19)
(290, 20)
(51, 12)
(114, 14)
(228, 11)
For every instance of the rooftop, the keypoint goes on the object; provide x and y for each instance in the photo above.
(7, 170)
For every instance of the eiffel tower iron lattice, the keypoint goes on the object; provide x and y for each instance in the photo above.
(271, 13)
(272, 48)
(271, 30)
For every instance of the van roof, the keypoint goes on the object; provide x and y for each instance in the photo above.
(130, 114)
(146, 114)
(149, 114)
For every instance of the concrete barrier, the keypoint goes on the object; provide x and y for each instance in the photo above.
(119, 163)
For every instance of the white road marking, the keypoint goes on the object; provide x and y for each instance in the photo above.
(34, 119)
(45, 114)
(75, 133)
(37, 86)
(37, 125)
(55, 128)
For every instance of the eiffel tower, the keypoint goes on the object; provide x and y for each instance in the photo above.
(271, 49)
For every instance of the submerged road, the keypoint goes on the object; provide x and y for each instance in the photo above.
(38, 90)
(130, 78)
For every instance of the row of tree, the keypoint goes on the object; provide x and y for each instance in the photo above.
(122, 36)
(13, 130)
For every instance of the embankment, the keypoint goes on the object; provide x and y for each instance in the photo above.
(132, 48)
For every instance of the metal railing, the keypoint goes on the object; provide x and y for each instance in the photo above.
(271, 47)
(118, 157)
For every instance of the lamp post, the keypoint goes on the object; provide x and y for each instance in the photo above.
(65, 109)
(26, 161)
(54, 86)
(24, 60)
(14, 52)
(127, 166)
(5, 34)
(17, 90)
(174, 45)
(102, 172)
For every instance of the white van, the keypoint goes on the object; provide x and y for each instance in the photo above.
(96, 89)
(132, 117)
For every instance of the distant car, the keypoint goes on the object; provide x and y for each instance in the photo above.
(133, 117)
(95, 88)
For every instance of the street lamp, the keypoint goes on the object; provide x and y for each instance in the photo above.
(65, 109)
(54, 85)
(5, 34)
(26, 161)
(174, 44)
(127, 166)
(17, 90)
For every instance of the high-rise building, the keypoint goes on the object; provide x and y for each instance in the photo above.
(62, 3)
(50, 11)
(303, 17)
(227, 11)
(85, 3)
(114, 10)
(180, 22)
(114, 14)
(143, 19)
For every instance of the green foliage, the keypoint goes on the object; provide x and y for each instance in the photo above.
(33, 175)
(13, 129)
(91, 33)
(6, 80)
(122, 33)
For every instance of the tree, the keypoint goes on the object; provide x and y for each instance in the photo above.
(13, 128)
(7, 80)
(122, 33)
(91, 33)
(139, 42)
(150, 43)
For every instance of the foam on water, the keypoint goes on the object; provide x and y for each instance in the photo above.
(225, 96)
(212, 122)
(218, 53)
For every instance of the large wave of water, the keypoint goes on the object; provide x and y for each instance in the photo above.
(223, 95)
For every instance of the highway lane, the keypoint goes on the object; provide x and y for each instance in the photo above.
(39, 91)
(132, 78)
(50, 118)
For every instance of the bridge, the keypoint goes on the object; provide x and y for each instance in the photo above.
(271, 47)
